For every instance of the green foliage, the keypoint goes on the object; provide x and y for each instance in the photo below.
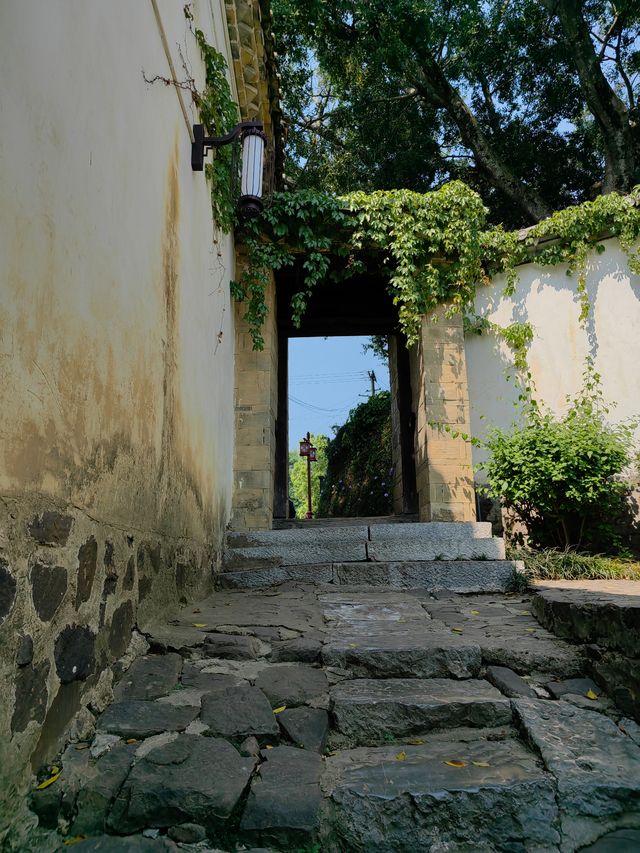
(434, 247)
(359, 462)
(379, 346)
(298, 476)
(559, 476)
(218, 113)
(550, 564)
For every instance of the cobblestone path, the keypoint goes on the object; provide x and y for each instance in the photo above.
(321, 718)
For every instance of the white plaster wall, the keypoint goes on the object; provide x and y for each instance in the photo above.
(116, 337)
(547, 298)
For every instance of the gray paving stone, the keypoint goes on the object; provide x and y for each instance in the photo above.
(596, 766)
(443, 547)
(209, 682)
(130, 844)
(367, 710)
(297, 547)
(193, 779)
(462, 576)
(307, 538)
(239, 712)
(371, 607)
(379, 802)
(149, 677)
(580, 686)
(307, 728)
(99, 790)
(387, 650)
(509, 683)
(228, 646)
(139, 719)
(621, 841)
(266, 577)
(292, 685)
(300, 650)
(631, 729)
(431, 529)
(284, 800)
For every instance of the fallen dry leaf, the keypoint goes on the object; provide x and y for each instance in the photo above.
(268, 746)
(456, 763)
(590, 694)
(475, 612)
(481, 764)
(400, 756)
(530, 630)
(457, 630)
(416, 742)
(75, 839)
(199, 624)
(280, 709)
(132, 740)
(48, 781)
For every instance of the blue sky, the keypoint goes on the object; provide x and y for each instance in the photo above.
(327, 377)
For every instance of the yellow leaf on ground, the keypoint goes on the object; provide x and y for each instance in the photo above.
(48, 782)
(353, 645)
(475, 612)
(481, 764)
(280, 709)
(268, 746)
(455, 763)
(530, 630)
(401, 756)
(416, 742)
(75, 839)
(132, 740)
(591, 695)
(199, 624)
(457, 630)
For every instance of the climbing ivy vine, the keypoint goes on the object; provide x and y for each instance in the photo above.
(434, 247)
(218, 113)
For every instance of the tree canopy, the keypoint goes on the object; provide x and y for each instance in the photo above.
(531, 102)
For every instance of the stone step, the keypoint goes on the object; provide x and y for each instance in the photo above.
(461, 576)
(304, 523)
(493, 796)
(367, 711)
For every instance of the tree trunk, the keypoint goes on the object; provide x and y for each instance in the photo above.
(438, 90)
(609, 111)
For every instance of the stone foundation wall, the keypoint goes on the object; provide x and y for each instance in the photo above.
(72, 591)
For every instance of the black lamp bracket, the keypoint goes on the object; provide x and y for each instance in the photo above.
(202, 144)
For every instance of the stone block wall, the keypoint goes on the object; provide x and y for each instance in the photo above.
(73, 591)
(439, 381)
(256, 405)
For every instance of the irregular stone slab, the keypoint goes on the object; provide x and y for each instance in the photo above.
(237, 713)
(307, 728)
(149, 677)
(413, 649)
(580, 686)
(228, 646)
(378, 802)
(284, 799)
(446, 546)
(367, 710)
(602, 612)
(194, 779)
(462, 576)
(300, 547)
(509, 683)
(300, 650)
(138, 719)
(630, 728)
(596, 766)
(371, 607)
(188, 833)
(131, 844)
(265, 577)
(621, 677)
(98, 792)
(183, 696)
(427, 530)
(292, 685)
(208, 682)
(621, 841)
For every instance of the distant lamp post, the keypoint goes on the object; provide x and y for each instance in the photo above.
(311, 453)
(253, 140)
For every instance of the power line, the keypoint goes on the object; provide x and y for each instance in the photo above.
(318, 408)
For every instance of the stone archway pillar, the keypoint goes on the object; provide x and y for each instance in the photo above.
(444, 474)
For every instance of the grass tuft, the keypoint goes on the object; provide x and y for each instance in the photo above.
(550, 564)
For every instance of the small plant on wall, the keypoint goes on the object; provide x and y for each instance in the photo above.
(559, 477)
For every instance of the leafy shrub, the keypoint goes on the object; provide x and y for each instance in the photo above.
(359, 462)
(550, 564)
(559, 476)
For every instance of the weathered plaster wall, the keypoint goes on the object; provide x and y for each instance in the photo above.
(547, 298)
(116, 354)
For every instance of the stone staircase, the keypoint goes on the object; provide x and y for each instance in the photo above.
(460, 557)
(334, 716)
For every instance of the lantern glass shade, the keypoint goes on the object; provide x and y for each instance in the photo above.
(312, 454)
(304, 447)
(252, 165)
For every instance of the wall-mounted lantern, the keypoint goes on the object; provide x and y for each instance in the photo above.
(305, 445)
(252, 139)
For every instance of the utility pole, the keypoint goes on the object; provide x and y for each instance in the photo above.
(372, 376)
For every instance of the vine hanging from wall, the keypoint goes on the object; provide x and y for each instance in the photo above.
(434, 247)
